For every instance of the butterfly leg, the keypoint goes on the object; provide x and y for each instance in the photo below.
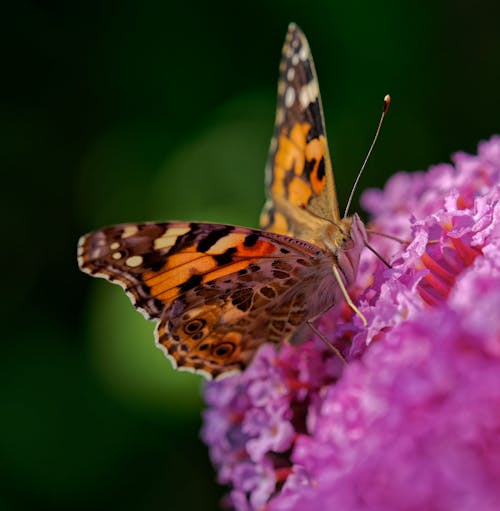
(347, 298)
(312, 326)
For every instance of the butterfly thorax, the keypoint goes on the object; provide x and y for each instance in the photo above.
(344, 240)
(333, 236)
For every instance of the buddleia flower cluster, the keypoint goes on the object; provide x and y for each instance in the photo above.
(413, 421)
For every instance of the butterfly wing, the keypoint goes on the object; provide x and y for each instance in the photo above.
(299, 174)
(218, 291)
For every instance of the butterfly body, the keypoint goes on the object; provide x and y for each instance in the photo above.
(218, 291)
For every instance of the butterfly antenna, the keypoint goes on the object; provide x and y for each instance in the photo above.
(387, 102)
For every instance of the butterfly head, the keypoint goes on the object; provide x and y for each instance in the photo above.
(344, 235)
(350, 240)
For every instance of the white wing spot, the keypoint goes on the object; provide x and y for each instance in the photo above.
(228, 241)
(169, 238)
(295, 59)
(165, 242)
(308, 93)
(289, 97)
(114, 245)
(280, 116)
(129, 230)
(178, 230)
(274, 145)
(303, 98)
(281, 87)
(116, 256)
(303, 54)
(134, 261)
(290, 74)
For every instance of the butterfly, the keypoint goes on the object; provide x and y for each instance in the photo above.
(218, 292)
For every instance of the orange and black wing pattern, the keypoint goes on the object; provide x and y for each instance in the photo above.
(299, 175)
(217, 291)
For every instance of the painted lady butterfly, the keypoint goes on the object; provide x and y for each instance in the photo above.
(218, 292)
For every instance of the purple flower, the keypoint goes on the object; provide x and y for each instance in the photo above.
(254, 418)
(413, 422)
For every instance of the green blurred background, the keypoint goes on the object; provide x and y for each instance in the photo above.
(123, 111)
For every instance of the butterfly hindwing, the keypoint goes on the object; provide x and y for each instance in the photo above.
(218, 291)
(299, 174)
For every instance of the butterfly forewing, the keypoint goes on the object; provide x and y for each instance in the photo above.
(219, 291)
(299, 172)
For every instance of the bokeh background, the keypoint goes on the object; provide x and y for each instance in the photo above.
(124, 111)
